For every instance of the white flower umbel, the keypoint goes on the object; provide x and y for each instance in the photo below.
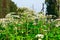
(57, 25)
(39, 36)
(39, 39)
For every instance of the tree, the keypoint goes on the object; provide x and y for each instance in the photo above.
(6, 6)
(58, 6)
(12, 6)
(52, 7)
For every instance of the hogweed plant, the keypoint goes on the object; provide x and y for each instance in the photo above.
(28, 27)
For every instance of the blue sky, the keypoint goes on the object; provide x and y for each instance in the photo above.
(30, 3)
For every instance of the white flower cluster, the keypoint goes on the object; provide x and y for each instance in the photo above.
(12, 15)
(3, 20)
(57, 25)
(57, 22)
(39, 36)
(8, 18)
(39, 39)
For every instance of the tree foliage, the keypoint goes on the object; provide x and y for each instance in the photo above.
(52, 7)
(12, 6)
(6, 6)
